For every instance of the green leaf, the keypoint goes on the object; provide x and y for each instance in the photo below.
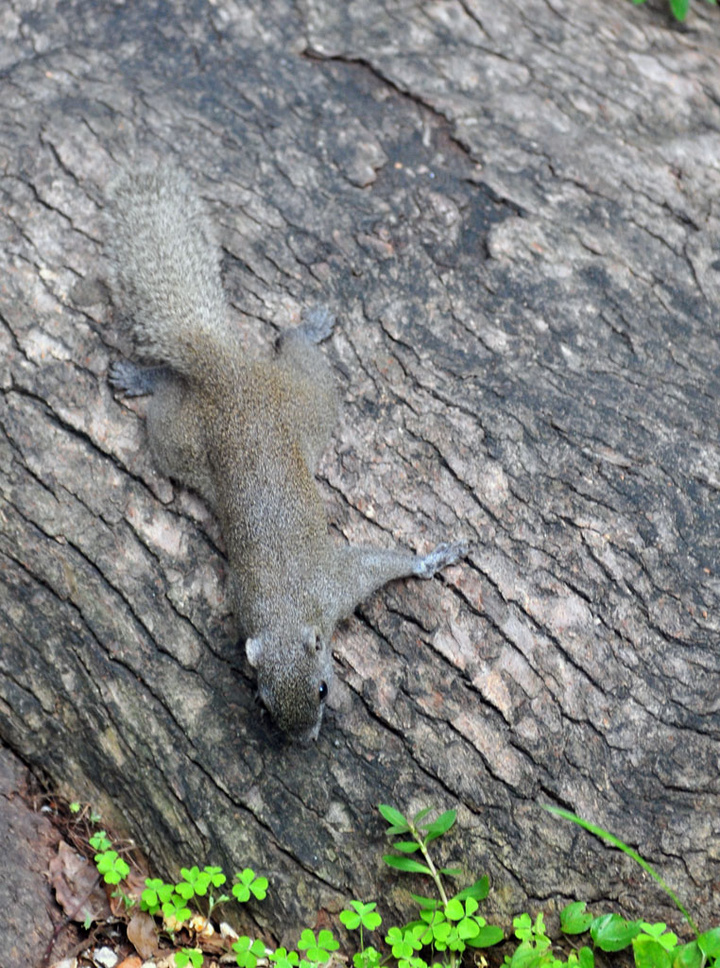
(680, 8)
(522, 925)
(149, 901)
(688, 956)
(440, 826)
(364, 914)
(649, 953)
(351, 919)
(406, 864)
(489, 934)
(259, 888)
(187, 956)
(429, 903)
(317, 950)
(709, 943)
(326, 940)
(371, 920)
(527, 956)
(367, 958)
(610, 932)
(113, 868)
(574, 919)
(406, 846)
(393, 816)
(420, 815)
(454, 909)
(307, 940)
(586, 959)
(468, 928)
(404, 942)
(248, 951)
(284, 959)
(441, 932)
(657, 930)
(175, 907)
(451, 871)
(479, 890)
(100, 841)
(248, 883)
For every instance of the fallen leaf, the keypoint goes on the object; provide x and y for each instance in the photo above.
(77, 886)
(142, 933)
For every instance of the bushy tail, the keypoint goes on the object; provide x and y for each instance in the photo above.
(164, 268)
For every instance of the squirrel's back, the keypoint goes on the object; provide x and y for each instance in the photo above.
(247, 436)
(165, 262)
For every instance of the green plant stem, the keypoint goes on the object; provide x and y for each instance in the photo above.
(434, 873)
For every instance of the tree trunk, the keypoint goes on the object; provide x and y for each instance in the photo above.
(513, 208)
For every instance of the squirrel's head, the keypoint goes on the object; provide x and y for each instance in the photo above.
(294, 674)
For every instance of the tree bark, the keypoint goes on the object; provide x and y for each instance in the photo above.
(513, 208)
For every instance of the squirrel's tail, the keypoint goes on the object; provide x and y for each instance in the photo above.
(165, 268)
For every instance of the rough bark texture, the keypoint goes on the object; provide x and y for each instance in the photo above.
(514, 210)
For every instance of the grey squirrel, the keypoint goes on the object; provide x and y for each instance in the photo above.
(246, 435)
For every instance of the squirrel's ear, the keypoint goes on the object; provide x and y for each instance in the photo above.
(253, 651)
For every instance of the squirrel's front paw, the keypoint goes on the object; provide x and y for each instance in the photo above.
(317, 323)
(445, 554)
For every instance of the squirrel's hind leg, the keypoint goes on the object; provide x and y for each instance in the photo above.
(311, 381)
(173, 423)
(135, 381)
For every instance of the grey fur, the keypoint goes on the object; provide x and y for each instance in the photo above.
(247, 435)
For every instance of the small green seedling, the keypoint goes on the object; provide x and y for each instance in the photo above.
(447, 925)
(363, 917)
(317, 950)
(248, 951)
(282, 958)
(109, 863)
(249, 883)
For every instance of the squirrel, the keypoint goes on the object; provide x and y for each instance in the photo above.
(246, 435)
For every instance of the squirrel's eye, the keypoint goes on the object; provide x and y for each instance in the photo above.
(323, 690)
